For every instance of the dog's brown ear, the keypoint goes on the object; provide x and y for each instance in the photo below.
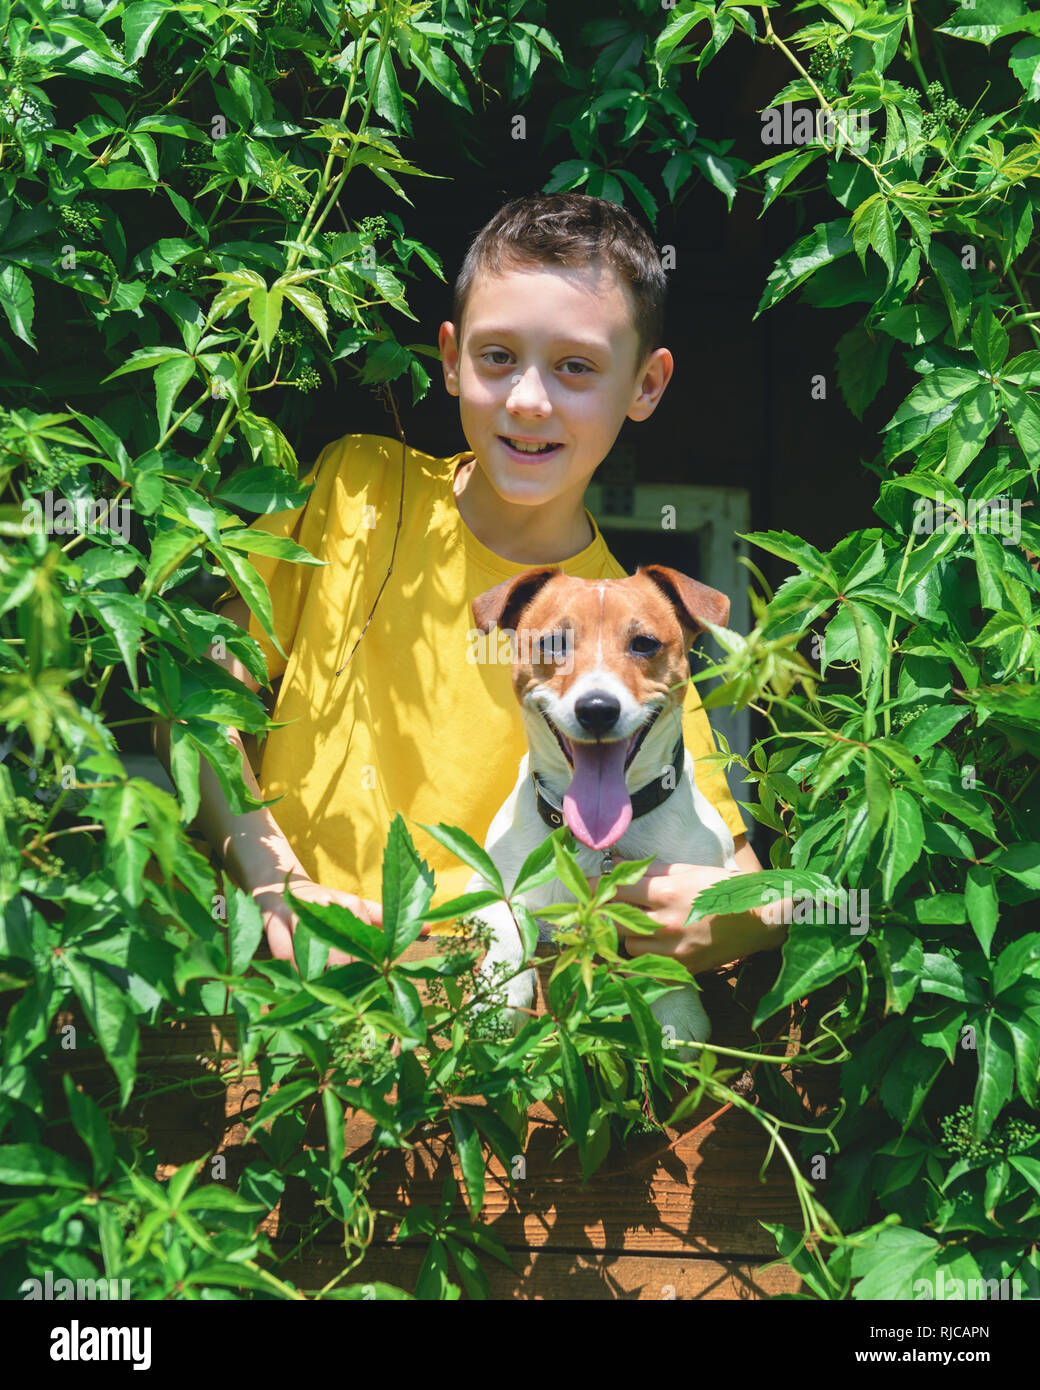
(503, 604)
(694, 603)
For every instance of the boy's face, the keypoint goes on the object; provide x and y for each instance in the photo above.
(548, 355)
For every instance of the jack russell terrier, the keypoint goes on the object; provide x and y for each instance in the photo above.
(605, 747)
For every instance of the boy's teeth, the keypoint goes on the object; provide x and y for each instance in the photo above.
(529, 448)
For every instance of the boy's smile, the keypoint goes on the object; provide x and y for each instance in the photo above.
(546, 375)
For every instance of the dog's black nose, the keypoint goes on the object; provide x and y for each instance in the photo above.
(598, 712)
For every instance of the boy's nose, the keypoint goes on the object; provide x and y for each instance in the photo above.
(528, 391)
(597, 712)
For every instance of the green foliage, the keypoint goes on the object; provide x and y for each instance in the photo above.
(177, 237)
(900, 762)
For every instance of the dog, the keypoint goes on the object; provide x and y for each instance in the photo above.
(600, 672)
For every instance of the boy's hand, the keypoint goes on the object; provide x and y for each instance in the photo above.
(280, 920)
(665, 893)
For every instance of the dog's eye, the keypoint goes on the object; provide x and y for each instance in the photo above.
(553, 647)
(644, 645)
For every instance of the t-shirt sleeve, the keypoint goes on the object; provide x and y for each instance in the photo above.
(288, 582)
(700, 740)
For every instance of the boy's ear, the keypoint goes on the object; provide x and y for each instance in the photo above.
(503, 604)
(693, 602)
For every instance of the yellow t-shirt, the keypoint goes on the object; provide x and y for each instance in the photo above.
(411, 725)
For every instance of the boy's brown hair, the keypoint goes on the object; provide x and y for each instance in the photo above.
(571, 229)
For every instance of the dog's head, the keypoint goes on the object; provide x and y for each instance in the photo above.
(595, 665)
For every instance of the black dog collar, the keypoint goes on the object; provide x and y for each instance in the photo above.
(646, 799)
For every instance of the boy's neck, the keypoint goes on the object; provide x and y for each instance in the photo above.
(545, 535)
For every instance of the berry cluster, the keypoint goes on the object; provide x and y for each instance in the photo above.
(26, 810)
(372, 228)
(828, 64)
(188, 277)
(300, 333)
(196, 176)
(946, 111)
(59, 464)
(357, 1047)
(290, 13)
(488, 1025)
(906, 716)
(291, 207)
(24, 69)
(27, 113)
(79, 219)
(306, 379)
(1014, 1137)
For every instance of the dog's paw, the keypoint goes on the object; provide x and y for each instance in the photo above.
(681, 1016)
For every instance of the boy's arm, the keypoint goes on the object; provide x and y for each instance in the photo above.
(255, 850)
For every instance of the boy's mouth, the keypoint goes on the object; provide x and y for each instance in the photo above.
(527, 449)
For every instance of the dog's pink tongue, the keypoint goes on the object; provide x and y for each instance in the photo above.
(596, 805)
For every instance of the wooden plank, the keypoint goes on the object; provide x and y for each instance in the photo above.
(555, 1275)
(688, 1192)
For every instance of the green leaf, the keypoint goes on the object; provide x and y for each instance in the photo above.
(1024, 62)
(108, 1013)
(990, 342)
(92, 1128)
(336, 926)
(1021, 861)
(792, 548)
(980, 901)
(931, 725)
(16, 295)
(996, 1074)
(471, 1158)
(885, 1266)
(467, 849)
(1013, 961)
(309, 305)
(971, 424)
(814, 955)
(407, 890)
(569, 874)
(263, 490)
(245, 927)
(718, 171)
(335, 1131)
(32, 1165)
(245, 579)
(170, 380)
(782, 170)
(278, 1102)
(954, 285)
(862, 367)
(140, 22)
(265, 309)
(984, 21)
(647, 1028)
(825, 243)
(1024, 414)
(575, 1093)
(943, 975)
(879, 793)
(903, 840)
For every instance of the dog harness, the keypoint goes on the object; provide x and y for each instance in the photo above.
(646, 799)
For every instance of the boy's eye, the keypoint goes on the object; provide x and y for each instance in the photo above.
(584, 368)
(497, 352)
(644, 645)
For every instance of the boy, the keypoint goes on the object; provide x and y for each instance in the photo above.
(558, 312)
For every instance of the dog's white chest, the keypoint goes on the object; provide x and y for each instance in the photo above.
(684, 829)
